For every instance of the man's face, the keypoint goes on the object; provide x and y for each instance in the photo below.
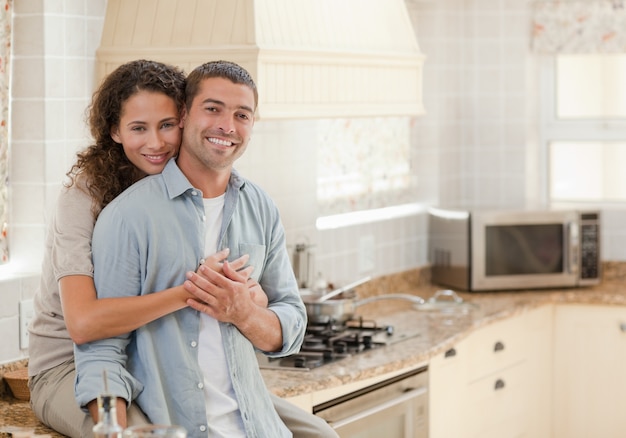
(218, 125)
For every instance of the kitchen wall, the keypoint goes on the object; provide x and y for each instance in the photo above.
(475, 146)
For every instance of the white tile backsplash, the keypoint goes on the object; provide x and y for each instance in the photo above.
(27, 84)
(30, 29)
(27, 163)
(27, 119)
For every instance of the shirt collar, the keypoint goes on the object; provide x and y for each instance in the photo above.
(177, 183)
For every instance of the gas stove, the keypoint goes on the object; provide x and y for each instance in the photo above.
(332, 341)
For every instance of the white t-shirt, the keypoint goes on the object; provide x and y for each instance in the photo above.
(223, 414)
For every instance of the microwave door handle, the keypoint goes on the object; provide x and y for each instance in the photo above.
(573, 246)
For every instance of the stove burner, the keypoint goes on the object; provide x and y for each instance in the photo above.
(330, 341)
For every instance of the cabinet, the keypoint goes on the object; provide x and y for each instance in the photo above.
(448, 391)
(589, 371)
(496, 382)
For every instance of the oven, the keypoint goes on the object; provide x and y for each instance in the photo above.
(394, 408)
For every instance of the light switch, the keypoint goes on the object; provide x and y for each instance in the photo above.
(26, 314)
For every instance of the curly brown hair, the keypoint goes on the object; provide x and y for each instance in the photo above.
(103, 168)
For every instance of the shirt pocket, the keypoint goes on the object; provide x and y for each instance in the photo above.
(257, 257)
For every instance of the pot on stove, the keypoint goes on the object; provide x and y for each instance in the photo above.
(342, 305)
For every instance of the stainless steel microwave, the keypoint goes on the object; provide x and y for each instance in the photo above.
(485, 250)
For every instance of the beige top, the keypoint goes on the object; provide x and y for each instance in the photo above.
(67, 252)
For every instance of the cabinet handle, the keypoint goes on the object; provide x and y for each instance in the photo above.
(499, 384)
(450, 353)
(499, 346)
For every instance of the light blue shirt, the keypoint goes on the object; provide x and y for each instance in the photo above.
(144, 241)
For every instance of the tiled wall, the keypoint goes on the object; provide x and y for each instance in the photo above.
(54, 44)
(475, 145)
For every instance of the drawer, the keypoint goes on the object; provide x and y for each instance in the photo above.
(496, 347)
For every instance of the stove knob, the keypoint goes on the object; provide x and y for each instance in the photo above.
(340, 347)
(367, 342)
(299, 362)
(389, 330)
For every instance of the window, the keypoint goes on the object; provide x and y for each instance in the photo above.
(585, 127)
(364, 164)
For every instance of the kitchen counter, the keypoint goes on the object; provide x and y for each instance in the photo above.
(437, 333)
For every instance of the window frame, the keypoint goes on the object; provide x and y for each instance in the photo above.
(555, 129)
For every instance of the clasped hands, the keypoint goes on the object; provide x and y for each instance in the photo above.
(223, 289)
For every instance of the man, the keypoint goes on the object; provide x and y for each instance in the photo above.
(197, 367)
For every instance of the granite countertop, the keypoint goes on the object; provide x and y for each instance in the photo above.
(436, 333)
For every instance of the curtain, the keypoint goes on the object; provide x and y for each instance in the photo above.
(579, 26)
(5, 51)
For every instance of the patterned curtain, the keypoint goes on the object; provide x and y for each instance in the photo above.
(579, 26)
(5, 51)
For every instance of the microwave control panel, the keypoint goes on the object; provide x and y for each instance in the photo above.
(589, 246)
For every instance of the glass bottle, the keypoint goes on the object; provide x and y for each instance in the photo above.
(107, 426)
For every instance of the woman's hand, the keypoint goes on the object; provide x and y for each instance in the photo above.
(216, 263)
(258, 295)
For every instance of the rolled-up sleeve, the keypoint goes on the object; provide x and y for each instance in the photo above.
(284, 296)
(116, 274)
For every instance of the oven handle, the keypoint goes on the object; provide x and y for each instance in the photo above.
(408, 395)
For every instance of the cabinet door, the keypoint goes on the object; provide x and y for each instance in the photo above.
(513, 399)
(500, 405)
(538, 329)
(590, 371)
(466, 398)
(447, 394)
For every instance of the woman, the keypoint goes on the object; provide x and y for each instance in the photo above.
(133, 120)
(66, 305)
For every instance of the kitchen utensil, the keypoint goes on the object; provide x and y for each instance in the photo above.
(342, 289)
(303, 264)
(154, 431)
(342, 309)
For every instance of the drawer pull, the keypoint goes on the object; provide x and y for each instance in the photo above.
(499, 346)
(450, 353)
(499, 384)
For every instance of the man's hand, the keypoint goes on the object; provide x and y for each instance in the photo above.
(228, 297)
(225, 297)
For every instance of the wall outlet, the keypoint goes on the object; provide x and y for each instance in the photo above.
(26, 314)
(367, 255)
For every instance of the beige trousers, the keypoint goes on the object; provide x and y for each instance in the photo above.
(52, 400)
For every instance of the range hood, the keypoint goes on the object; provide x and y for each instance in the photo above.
(309, 58)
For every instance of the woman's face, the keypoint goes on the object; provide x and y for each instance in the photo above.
(148, 130)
